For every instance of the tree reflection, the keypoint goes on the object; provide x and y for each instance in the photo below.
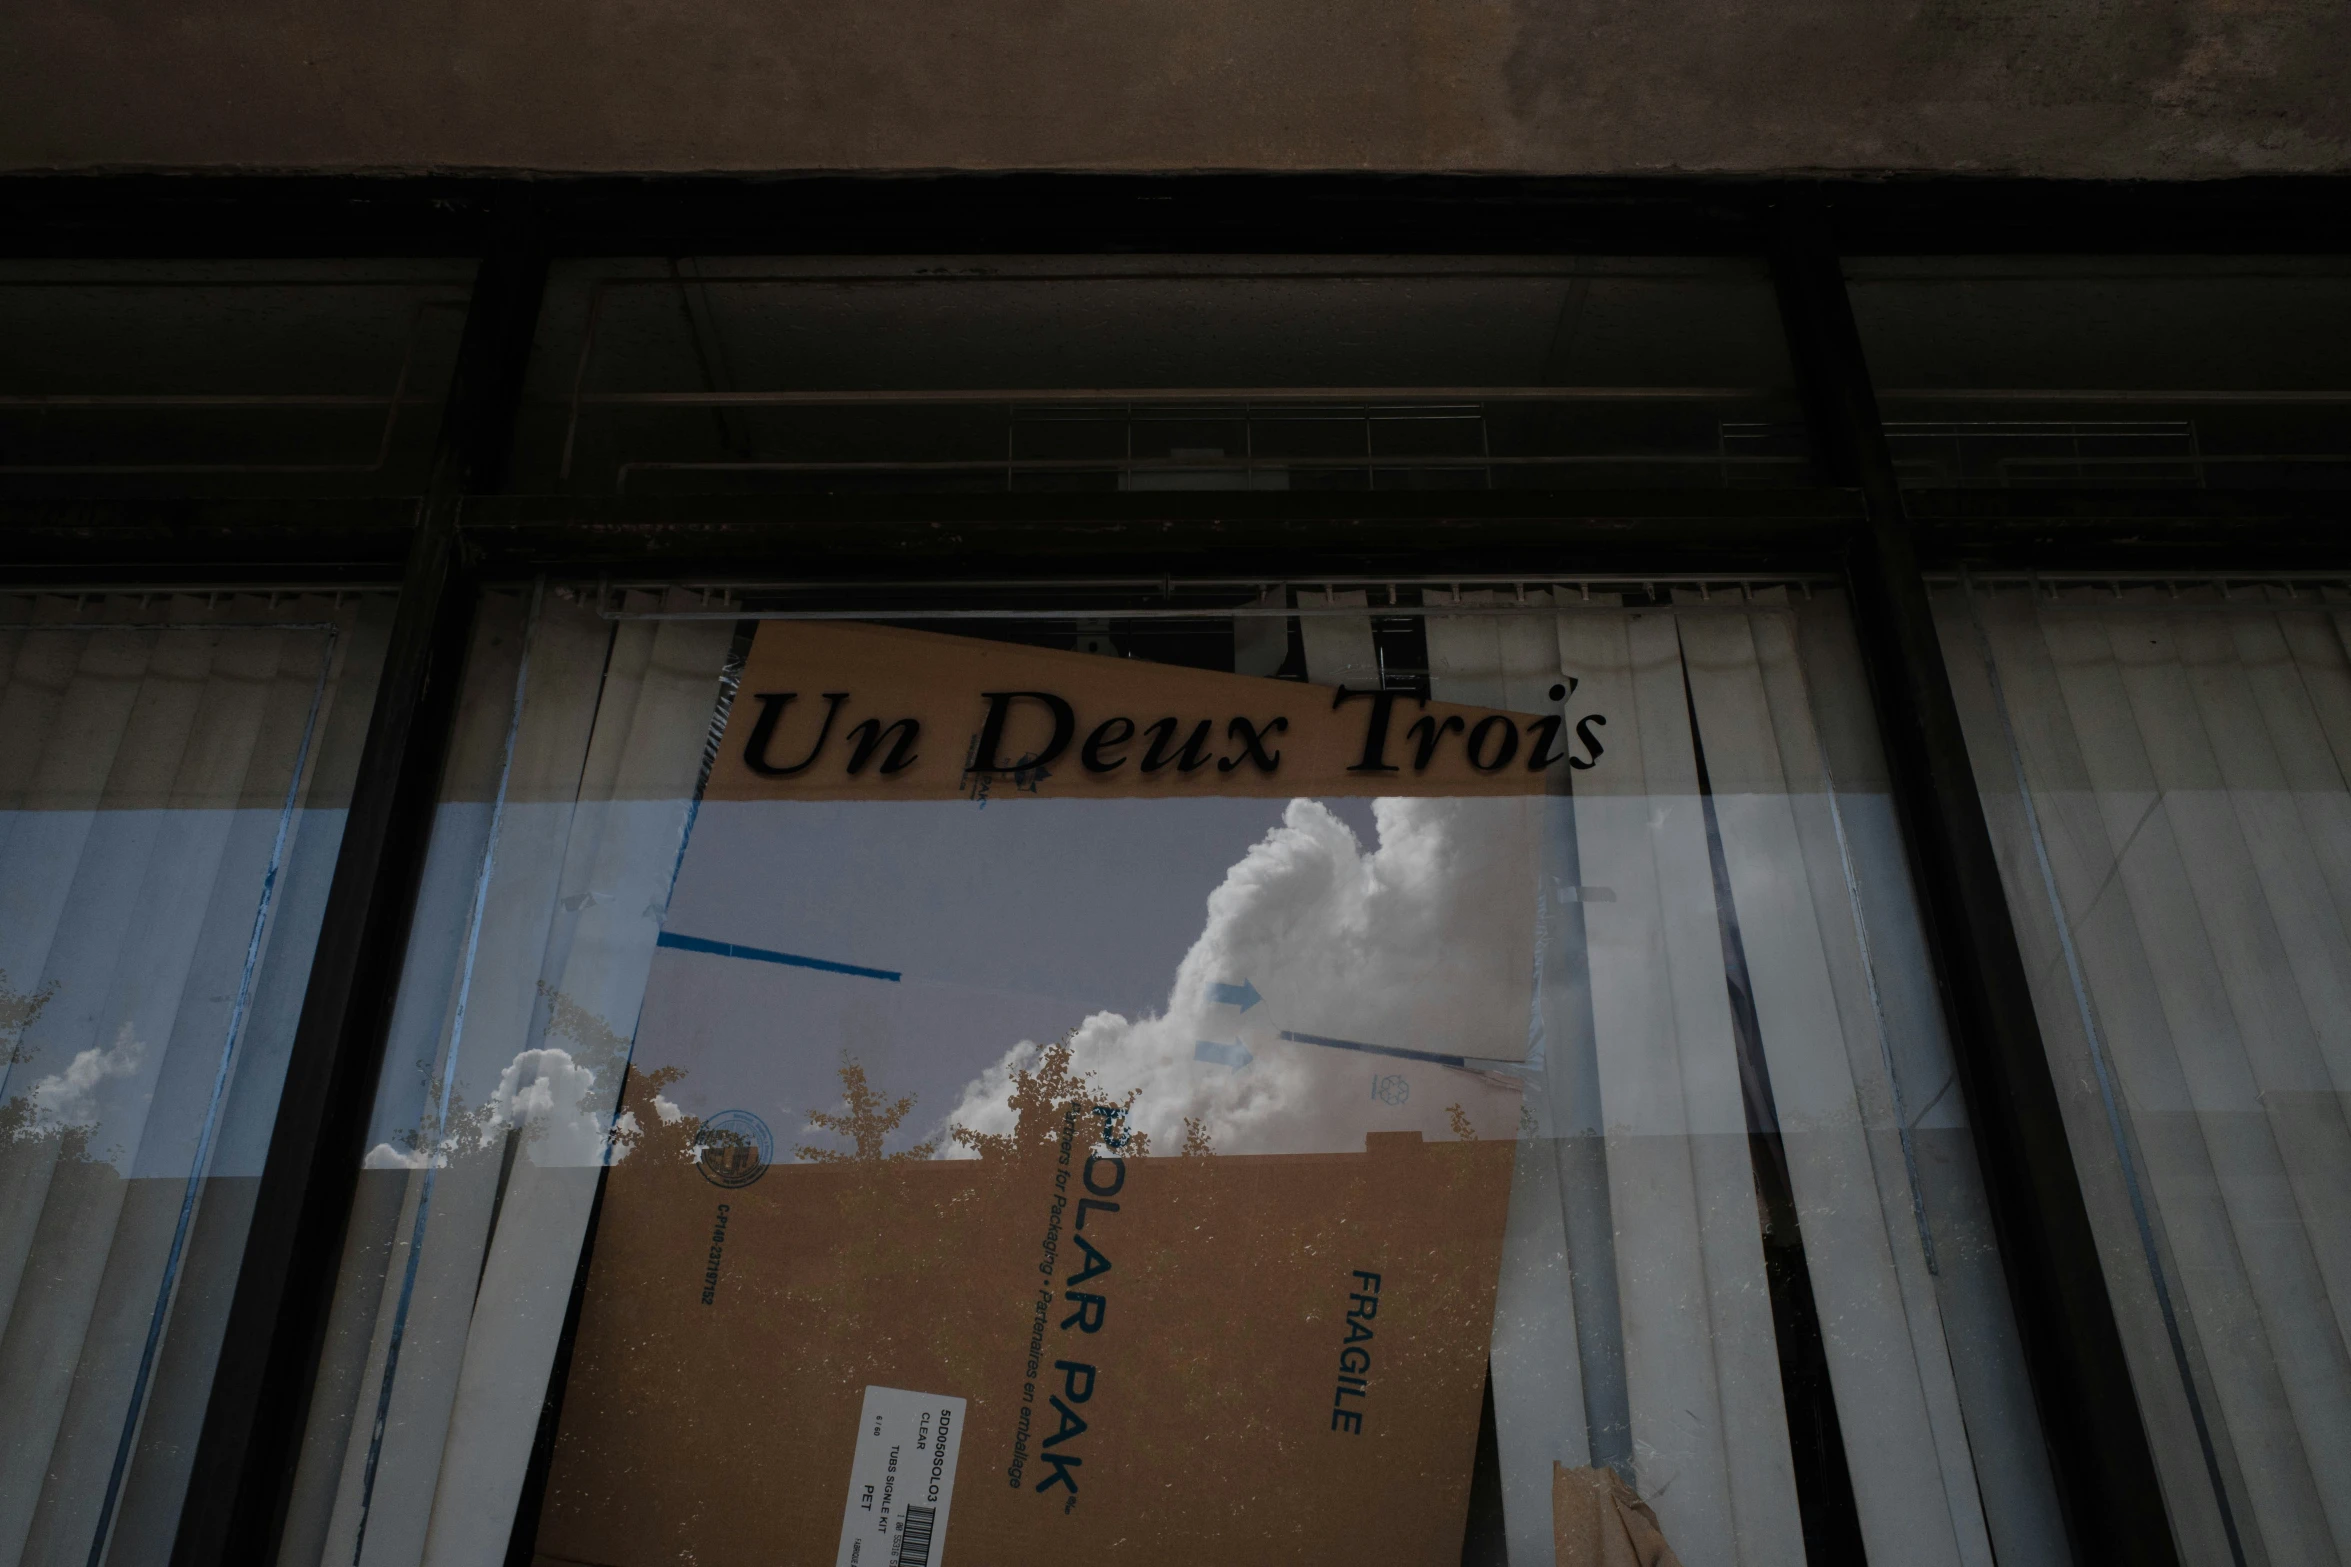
(1046, 1095)
(866, 1119)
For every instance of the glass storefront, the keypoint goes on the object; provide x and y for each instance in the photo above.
(1180, 1028)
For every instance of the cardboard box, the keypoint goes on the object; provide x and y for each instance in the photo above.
(913, 856)
(1283, 1355)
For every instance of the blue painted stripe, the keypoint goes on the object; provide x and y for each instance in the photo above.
(727, 949)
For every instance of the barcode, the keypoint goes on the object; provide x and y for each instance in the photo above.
(914, 1546)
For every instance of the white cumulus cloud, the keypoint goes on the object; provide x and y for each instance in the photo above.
(70, 1097)
(1423, 942)
(549, 1097)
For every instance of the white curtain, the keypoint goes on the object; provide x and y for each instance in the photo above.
(1936, 1419)
(564, 807)
(172, 794)
(2163, 768)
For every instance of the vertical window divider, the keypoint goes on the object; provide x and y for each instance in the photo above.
(250, 1442)
(2090, 1418)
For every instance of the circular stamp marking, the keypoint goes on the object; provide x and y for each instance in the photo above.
(733, 1149)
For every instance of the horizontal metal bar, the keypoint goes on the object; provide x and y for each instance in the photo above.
(2092, 578)
(1216, 269)
(153, 280)
(1410, 411)
(67, 470)
(217, 399)
(1202, 394)
(2152, 459)
(2184, 548)
(1258, 395)
(1236, 612)
(2246, 607)
(2291, 604)
(1315, 583)
(1283, 218)
(172, 625)
(2011, 394)
(1206, 465)
(2042, 429)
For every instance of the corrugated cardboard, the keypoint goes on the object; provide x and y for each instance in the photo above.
(1235, 1410)
(1599, 1521)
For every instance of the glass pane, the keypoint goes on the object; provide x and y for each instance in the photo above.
(2111, 371)
(1202, 1071)
(171, 801)
(2163, 768)
(1167, 373)
(278, 377)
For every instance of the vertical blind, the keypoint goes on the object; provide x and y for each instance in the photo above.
(2163, 768)
(1746, 1005)
(171, 799)
(564, 808)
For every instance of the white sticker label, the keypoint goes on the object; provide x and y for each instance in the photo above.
(901, 1480)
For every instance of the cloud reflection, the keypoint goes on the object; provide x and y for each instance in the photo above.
(1424, 942)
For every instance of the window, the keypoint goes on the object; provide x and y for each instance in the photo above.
(171, 802)
(1414, 979)
(2111, 372)
(2162, 765)
(279, 378)
(1211, 1021)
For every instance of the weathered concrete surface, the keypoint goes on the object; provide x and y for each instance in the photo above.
(2123, 88)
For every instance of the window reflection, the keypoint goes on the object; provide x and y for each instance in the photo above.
(764, 375)
(170, 808)
(2163, 771)
(749, 1059)
(286, 377)
(2110, 372)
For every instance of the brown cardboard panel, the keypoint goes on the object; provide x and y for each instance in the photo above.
(822, 701)
(729, 1334)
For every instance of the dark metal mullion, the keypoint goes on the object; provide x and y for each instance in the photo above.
(64, 543)
(242, 1477)
(2090, 1418)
